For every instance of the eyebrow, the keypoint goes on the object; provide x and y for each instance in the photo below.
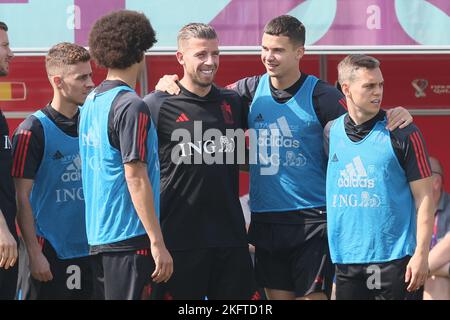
(81, 75)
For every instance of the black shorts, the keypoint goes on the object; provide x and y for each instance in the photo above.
(292, 257)
(372, 281)
(123, 275)
(8, 282)
(215, 273)
(72, 278)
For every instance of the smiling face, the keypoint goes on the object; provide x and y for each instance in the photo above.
(200, 60)
(6, 54)
(281, 57)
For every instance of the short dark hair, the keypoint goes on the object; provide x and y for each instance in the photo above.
(64, 54)
(288, 26)
(119, 39)
(351, 63)
(197, 31)
(3, 26)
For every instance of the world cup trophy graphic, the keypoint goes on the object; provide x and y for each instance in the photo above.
(420, 85)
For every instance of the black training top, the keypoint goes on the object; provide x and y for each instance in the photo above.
(200, 205)
(7, 191)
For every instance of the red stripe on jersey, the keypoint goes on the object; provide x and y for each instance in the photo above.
(139, 134)
(419, 154)
(21, 153)
(416, 151)
(142, 132)
(426, 166)
(144, 140)
(424, 156)
(17, 151)
(22, 166)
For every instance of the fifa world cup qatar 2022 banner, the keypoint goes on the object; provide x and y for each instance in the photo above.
(38, 24)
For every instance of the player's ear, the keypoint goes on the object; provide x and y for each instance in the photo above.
(300, 52)
(346, 89)
(56, 81)
(180, 57)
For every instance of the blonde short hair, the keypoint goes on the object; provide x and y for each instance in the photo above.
(351, 63)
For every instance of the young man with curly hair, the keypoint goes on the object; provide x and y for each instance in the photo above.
(47, 175)
(120, 166)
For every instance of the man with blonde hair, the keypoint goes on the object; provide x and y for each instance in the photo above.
(201, 216)
(376, 182)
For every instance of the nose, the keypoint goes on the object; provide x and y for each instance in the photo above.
(378, 90)
(10, 53)
(269, 55)
(90, 84)
(211, 60)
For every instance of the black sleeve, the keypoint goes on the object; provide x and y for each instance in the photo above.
(329, 103)
(7, 191)
(154, 102)
(411, 151)
(131, 123)
(244, 115)
(246, 89)
(28, 148)
(326, 138)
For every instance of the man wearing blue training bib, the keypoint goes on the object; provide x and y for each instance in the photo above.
(120, 166)
(376, 182)
(47, 174)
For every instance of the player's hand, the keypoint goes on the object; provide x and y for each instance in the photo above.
(40, 268)
(168, 83)
(398, 118)
(8, 248)
(163, 263)
(416, 272)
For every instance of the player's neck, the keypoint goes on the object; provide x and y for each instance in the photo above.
(128, 75)
(285, 81)
(358, 116)
(67, 109)
(194, 88)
